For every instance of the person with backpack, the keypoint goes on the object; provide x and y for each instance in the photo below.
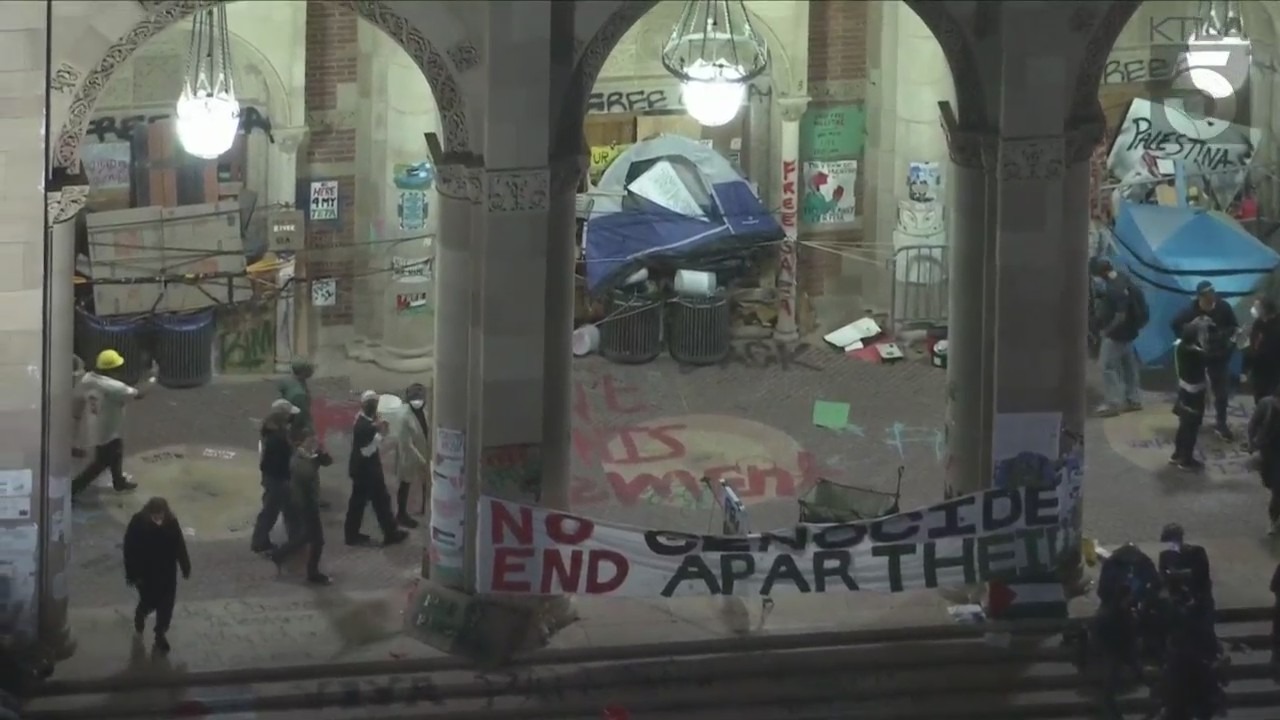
(1264, 439)
(1219, 345)
(1122, 312)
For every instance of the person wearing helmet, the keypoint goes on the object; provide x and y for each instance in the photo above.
(412, 431)
(368, 484)
(100, 398)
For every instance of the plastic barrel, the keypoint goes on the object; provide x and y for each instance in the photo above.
(126, 335)
(700, 331)
(632, 331)
(184, 348)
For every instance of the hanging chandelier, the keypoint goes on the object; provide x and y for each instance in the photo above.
(208, 113)
(1218, 49)
(715, 53)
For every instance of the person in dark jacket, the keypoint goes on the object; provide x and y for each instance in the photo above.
(154, 551)
(275, 451)
(368, 484)
(1262, 357)
(304, 485)
(1275, 621)
(1117, 329)
(1184, 568)
(1264, 439)
(1191, 363)
(1219, 344)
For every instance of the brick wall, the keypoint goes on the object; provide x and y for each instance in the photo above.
(837, 40)
(333, 53)
(837, 56)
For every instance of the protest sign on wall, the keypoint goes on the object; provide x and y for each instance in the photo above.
(993, 534)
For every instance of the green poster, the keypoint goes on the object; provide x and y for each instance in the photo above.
(836, 132)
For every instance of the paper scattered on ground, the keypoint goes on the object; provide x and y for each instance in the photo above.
(852, 334)
(967, 614)
(889, 351)
(830, 415)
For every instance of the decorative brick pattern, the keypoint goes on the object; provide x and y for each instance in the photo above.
(837, 41)
(333, 54)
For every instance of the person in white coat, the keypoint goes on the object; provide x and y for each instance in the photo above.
(413, 452)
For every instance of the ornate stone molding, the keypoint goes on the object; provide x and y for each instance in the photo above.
(163, 15)
(288, 140)
(567, 173)
(1102, 33)
(458, 181)
(63, 205)
(1037, 158)
(791, 109)
(65, 79)
(968, 148)
(516, 191)
(464, 56)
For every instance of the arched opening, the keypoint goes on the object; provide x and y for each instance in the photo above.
(849, 114)
(312, 237)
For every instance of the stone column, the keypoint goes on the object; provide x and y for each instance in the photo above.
(458, 183)
(282, 164)
(293, 312)
(55, 516)
(790, 111)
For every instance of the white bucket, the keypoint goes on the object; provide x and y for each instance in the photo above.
(586, 340)
(695, 283)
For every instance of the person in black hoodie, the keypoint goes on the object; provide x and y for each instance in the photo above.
(1264, 439)
(368, 483)
(1218, 345)
(304, 482)
(275, 451)
(1190, 362)
(154, 551)
(1262, 357)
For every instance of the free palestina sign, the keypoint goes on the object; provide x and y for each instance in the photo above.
(993, 534)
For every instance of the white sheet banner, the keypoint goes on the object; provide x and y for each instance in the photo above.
(996, 533)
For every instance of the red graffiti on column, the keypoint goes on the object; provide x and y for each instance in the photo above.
(787, 252)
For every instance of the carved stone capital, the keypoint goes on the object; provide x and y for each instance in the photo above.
(792, 108)
(290, 139)
(64, 204)
(459, 181)
(1035, 158)
(516, 191)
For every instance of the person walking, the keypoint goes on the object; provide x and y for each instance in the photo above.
(413, 431)
(1190, 363)
(1218, 345)
(1264, 439)
(100, 398)
(1122, 312)
(274, 453)
(297, 391)
(154, 551)
(304, 485)
(1262, 356)
(368, 484)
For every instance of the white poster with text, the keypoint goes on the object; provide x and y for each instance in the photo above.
(448, 498)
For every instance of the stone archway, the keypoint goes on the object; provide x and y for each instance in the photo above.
(944, 25)
(438, 71)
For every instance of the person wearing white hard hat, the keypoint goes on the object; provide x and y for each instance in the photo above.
(274, 454)
(368, 483)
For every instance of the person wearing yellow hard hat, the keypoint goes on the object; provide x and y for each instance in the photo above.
(100, 398)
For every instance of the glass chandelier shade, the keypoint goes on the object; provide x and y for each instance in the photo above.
(1217, 50)
(715, 52)
(208, 115)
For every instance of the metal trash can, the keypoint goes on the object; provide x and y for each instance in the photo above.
(126, 334)
(631, 331)
(700, 331)
(184, 348)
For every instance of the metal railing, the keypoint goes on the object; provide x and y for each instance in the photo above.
(919, 287)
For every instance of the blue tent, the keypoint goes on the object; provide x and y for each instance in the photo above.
(1168, 250)
(670, 202)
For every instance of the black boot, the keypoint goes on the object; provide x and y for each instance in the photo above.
(402, 502)
(162, 643)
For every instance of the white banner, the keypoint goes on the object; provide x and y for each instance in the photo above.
(996, 533)
(448, 497)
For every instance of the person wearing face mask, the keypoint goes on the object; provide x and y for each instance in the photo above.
(154, 551)
(412, 432)
(304, 485)
(274, 453)
(101, 398)
(1218, 347)
(368, 484)
(1262, 357)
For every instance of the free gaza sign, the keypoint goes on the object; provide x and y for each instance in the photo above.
(993, 534)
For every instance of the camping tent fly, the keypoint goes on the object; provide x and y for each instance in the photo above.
(670, 202)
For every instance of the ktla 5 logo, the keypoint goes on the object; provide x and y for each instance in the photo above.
(1209, 88)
